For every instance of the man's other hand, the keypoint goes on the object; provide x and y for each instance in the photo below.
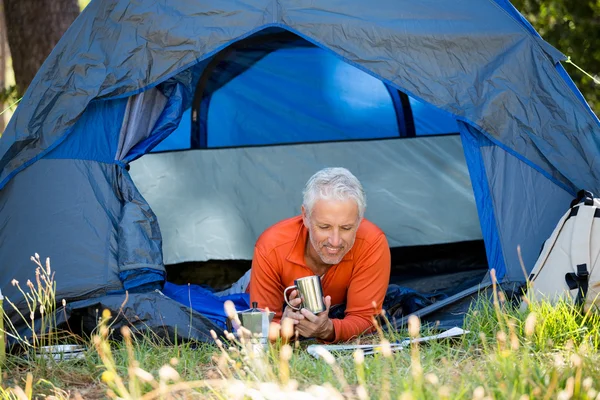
(317, 326)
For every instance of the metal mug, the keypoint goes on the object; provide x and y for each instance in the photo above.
(311, 293)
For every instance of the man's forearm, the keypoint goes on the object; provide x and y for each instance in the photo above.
(351, 326)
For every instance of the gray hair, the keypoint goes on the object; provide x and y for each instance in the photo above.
(336, 184)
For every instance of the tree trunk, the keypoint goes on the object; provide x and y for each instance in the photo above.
(34, 27)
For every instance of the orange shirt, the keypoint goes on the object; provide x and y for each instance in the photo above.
(360, 279)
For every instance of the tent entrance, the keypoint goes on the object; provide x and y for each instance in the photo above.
(268, 114)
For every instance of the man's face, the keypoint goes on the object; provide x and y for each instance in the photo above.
(332, 228)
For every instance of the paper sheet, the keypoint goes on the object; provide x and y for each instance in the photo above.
(315, 349)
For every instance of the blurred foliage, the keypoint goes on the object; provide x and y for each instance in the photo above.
(573, 27)
(8, 94)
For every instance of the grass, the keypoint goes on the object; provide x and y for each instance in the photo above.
(544, 352)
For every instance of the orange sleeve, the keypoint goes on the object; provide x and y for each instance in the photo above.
(266, 287)
(368, 284)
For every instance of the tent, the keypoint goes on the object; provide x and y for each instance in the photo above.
(166, 132)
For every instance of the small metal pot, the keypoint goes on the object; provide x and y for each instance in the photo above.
(255, 320)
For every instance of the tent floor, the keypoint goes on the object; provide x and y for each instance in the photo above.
(424, 277)
(434, 269)
(454, 314)
(448, 283)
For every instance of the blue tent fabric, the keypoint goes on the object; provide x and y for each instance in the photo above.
(554, 53)
(315, 93)
(204, 301)
(512, 56)
(307, 84)
(473, 141)
(100, 147)
(179, 91)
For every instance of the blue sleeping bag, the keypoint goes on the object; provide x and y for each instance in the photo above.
(204, 301)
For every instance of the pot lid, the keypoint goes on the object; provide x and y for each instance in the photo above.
(254, 309)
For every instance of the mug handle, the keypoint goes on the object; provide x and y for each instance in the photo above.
(286, 299)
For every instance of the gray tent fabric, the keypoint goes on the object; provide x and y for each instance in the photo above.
(538, 202)
(140, 240)
(141, 114)
(66, 210)
(151, 313)
(213, 204)
(446, 47)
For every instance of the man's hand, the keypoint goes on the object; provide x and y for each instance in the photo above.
(317, 326)
(289, 312)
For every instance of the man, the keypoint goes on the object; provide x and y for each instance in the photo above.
(330, 239)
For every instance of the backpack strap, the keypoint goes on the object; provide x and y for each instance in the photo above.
(583, 196)
(580, 250)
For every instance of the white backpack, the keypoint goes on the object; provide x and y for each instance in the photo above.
(567, 266)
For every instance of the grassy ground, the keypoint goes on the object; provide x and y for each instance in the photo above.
(544, 352)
